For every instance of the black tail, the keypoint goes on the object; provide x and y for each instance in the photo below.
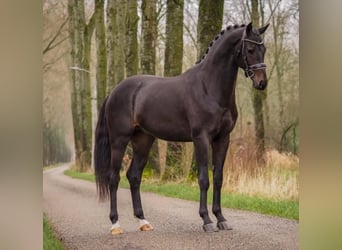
(102, 154)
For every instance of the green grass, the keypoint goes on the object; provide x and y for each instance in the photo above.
(49, 239)
(78, 175)
(190, 191)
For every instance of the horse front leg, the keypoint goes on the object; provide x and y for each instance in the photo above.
(201, 150)
(219, 147)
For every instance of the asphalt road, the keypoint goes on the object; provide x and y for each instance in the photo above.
(81, 222)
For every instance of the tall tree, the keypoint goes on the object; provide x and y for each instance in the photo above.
(149, 37)
(174, 38)
(116, 14)
(80, 36)
(148, 56)
(111, 27)
(210, 15)
(257, 97)
(131, 38)
(119, 41)
(101, 55)
(173, 67)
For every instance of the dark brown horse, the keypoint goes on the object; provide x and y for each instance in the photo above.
(198, 105)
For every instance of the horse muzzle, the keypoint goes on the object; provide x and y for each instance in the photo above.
(257, 74)
(259, 79)
(261, 85)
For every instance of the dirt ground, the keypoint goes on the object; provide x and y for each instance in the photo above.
(81, 222)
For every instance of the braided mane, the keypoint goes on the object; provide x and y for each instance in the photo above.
(218, 36)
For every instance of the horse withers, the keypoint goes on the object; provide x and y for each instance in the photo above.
(198, 106)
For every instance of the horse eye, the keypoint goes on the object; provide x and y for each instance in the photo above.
(250, 50)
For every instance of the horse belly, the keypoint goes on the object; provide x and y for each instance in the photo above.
(163, 123)
(168, 135)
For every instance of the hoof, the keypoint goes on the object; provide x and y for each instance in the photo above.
(210, 228)
(116, 230)
(146, 227)
(223, 225)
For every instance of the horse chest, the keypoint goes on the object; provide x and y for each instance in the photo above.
(213, 120)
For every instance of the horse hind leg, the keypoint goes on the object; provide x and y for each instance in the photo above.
(141, 144)
(118, 147)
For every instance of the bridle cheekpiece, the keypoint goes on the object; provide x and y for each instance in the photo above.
(249, 70)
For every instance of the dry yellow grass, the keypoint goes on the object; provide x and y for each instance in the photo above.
(277, 179)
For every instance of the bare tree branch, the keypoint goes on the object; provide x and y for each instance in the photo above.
(193, 39)
(46, 66)
(272, 9)
(59, 42)
(51, 44)
(161, 11)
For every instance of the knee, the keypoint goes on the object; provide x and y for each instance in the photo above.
(203, 183)
(218, 181)
(218, 178)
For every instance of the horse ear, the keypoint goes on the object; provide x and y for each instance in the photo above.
(249, 27)
(263, 29)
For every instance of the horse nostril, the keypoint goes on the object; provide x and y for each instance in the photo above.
(262, 84)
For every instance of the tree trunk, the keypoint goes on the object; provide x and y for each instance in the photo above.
(257, 98)
(119, 41)
(162, 151)
(131, 38)
(173, 67)
(80, 37)
(116, 14)
(278, 38)
(149, 37)
(174, 38)
(148, 58)
(209, 24)
(111, 28)
(101, 66)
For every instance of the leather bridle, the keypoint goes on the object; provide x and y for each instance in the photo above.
(249, 70)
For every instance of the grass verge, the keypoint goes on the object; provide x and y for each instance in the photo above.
(190, 191)
(49, 238)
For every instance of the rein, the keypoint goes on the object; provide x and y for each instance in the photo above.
(249, 70)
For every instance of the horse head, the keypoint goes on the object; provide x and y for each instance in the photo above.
(251, 55)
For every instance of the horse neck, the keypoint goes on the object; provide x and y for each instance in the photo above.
(220, 71)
